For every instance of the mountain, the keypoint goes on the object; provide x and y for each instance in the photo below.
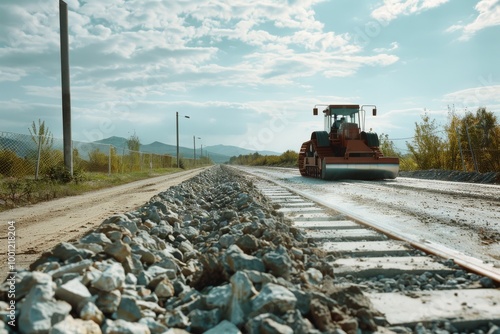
(232, 151)
(117, 142)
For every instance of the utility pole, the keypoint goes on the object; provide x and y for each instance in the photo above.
(471, 151)
(66, 97)
(177, 131)
(460, 148)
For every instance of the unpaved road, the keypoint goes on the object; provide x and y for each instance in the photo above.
(41, 226)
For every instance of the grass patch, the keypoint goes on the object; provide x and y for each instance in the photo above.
(18, 192)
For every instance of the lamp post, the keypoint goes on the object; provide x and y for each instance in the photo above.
(194, 148)
(177, 131)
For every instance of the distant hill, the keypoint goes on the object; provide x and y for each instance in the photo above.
(161, 148)
(115, 141)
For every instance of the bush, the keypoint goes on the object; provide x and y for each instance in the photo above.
(12, 165)
(60, 174)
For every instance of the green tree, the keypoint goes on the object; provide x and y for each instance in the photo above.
(453, 143)
(427, 146)
(134, 145)
(481, 129)
(387, 146)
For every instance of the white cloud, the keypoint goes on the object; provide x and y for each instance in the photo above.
(472, 98)
(393, 46)
(391, 9)
(489, 16)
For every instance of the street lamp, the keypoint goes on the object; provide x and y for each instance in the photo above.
(177, 131)
(194, 148)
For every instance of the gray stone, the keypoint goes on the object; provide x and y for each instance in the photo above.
(118, 250)
(112, 278)
(124, 327)
(227, 240)
(93, 247)
(204, 320)
(242, 291)
(175, 318)
(108, 302)
(267, 323)
(90, 311)
(218, 297)
(161, 206)
(190, 232)
(78, 267)
(274, 299)
(29, 280)
(278, 262)
(238, 260)
(312, 277)
(122, 220)
(303, 300)
(165, 289)
(153, 214)
(248, 243)
(75, 326)
(132, 265)
(73, 292)
(156, 270)
(225, 327)
(153, 306)
(162, 231)
(43, 312)
(154, 326)
(128, 309)
(258, 277)
(144, 238)
(96, 238)
(146, 256)
(65, 250)
(295, 320)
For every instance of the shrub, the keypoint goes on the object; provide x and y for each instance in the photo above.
(59, 173)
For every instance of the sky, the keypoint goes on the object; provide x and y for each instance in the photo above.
(247, 73)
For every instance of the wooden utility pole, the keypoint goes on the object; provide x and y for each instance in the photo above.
(66, 97)
(460, 147)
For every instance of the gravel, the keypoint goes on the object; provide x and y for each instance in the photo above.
(211, 255)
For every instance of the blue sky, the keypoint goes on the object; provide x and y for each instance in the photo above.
(247, 73)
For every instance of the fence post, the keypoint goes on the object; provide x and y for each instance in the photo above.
(37, 169)
(109, 161)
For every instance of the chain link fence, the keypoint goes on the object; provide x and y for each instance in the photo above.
(26, 155)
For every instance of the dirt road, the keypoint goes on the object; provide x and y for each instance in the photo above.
(41, 226)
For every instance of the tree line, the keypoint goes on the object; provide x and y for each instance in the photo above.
(468, 143)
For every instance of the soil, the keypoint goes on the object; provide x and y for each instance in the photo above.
(41, 226)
